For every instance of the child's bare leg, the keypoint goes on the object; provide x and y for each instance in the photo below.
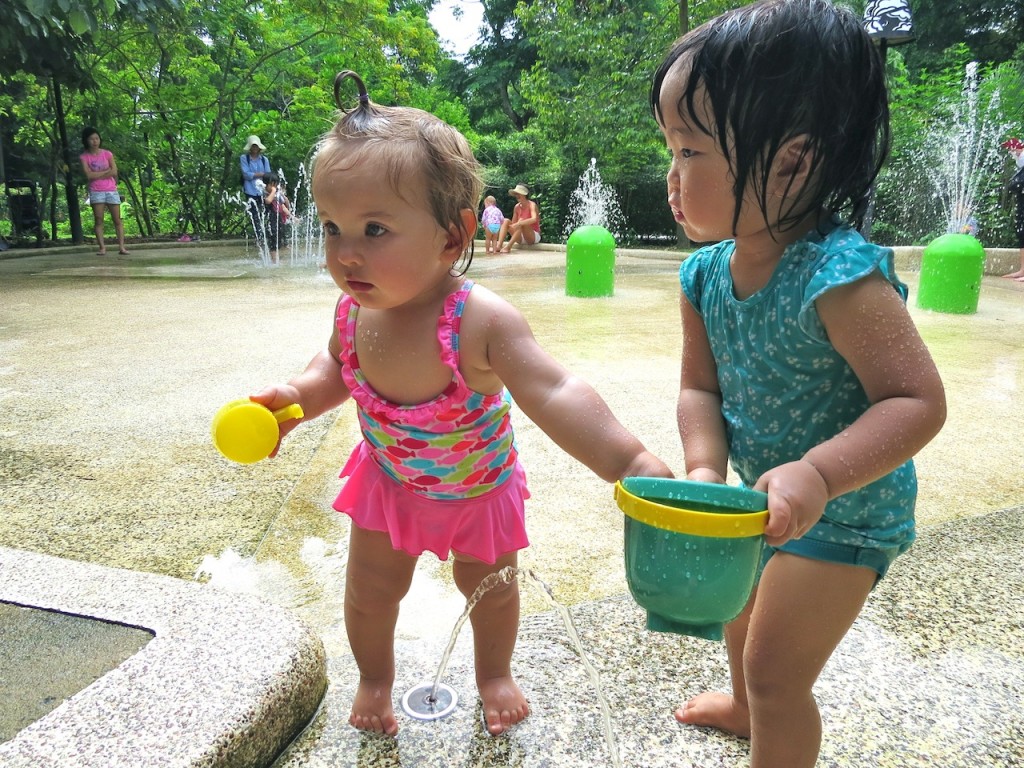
(376, 579)
(495, 622)
(727, 712)
(803, 610)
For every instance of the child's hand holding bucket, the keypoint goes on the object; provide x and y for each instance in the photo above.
(246, 431)
(797, 495)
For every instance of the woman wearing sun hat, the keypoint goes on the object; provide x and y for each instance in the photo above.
(524, 226)
(1016, 188)
(254, 167)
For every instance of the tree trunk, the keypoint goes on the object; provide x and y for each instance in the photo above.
(74, 213)
(52, 183)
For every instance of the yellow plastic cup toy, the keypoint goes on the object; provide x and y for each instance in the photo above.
(246, 432)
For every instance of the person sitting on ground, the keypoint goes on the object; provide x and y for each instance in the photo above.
(492, 218)
(524, 226)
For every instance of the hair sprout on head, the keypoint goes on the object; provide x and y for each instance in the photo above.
(347, 74)
(423, 158)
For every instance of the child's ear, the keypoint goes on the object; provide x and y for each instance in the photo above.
(793, 163)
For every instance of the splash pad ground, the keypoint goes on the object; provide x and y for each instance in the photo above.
(114, 498)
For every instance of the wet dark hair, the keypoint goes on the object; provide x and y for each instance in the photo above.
(86, 133)
(271, 178)
(779, 69)
(410, 144)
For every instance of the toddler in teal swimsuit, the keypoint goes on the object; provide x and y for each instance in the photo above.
(427, 356)
(801, 366)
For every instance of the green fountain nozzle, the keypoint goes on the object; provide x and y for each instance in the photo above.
(590, 262)
(951, 270)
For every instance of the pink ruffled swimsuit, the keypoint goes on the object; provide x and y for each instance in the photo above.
(441, 475)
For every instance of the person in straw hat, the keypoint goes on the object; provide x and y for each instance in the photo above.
(524, 226)
(255, 166)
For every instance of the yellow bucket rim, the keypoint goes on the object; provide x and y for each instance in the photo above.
(723, 525)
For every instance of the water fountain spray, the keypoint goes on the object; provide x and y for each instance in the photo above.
(594, 203)
(435, 700)
(962, 153)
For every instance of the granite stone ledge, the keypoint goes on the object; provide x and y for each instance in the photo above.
(227, 680)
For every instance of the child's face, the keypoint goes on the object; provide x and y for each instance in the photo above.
(700, 182)
(382, 248)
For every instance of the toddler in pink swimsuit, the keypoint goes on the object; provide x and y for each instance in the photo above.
(427, 356)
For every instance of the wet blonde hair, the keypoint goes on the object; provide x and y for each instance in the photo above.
(411, 146)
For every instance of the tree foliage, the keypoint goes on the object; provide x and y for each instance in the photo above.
(174, 87)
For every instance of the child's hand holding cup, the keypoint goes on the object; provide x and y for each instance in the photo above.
(246, 432)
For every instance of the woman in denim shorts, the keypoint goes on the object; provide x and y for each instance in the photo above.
(101, 171)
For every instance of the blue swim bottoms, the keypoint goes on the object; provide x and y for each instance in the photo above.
(494, 228)
(877, 557)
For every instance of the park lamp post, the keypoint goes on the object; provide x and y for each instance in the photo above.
(888, 22)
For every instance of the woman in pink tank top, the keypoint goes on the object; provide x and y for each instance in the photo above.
(100, 169)
(524, 226)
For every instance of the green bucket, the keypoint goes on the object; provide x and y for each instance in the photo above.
(692, 551)
(590, 262)
(951, 270)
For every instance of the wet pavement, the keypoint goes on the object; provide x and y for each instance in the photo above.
(110, 371)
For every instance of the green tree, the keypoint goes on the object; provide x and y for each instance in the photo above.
(180, 104)
(47, 38)
(990, 29)
(490, 82)
(589, 88)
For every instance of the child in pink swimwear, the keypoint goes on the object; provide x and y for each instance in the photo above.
(396, 190)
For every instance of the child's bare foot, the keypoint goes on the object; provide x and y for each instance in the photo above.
(504, 704)
(717, 710)
(372, 710)
(1015, 275)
